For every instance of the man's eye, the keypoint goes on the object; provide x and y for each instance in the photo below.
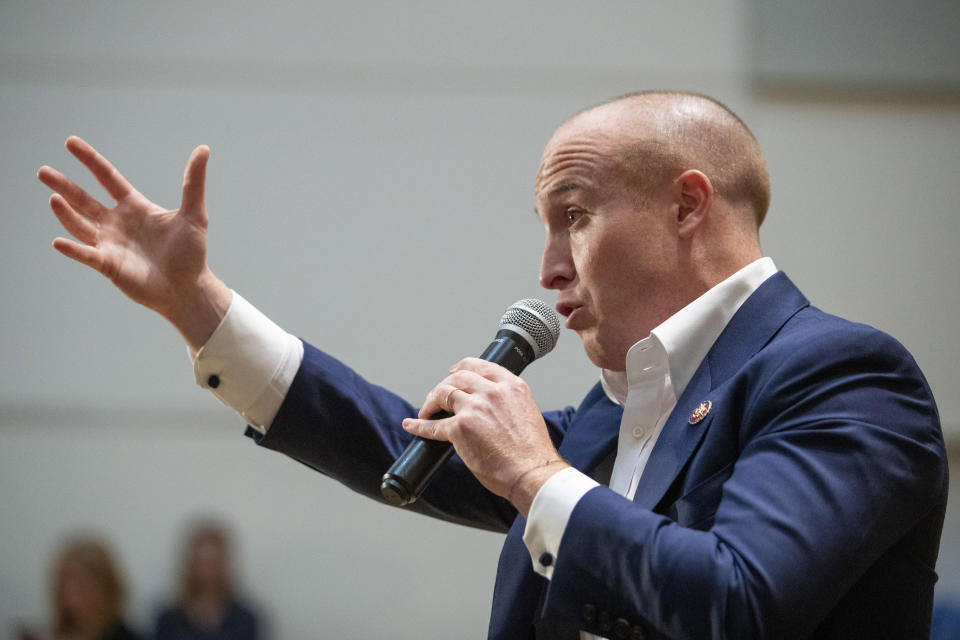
(573, 215)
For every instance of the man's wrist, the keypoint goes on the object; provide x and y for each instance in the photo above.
(201, 310)
(529, 483)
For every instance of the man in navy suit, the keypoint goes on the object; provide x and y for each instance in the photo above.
(748, 466)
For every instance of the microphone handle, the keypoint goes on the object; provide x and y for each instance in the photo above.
(410, 473)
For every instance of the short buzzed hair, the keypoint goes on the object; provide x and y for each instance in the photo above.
(685, 130)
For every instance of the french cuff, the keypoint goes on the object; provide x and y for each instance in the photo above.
(549, 514)
(248, 363)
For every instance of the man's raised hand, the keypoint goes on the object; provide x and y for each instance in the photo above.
(155, 256)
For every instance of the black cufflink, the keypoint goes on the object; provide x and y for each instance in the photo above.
(213, 381)
(546, 559)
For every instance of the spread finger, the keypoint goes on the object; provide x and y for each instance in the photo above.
(81, 201)
(106, 174)
(76, 225)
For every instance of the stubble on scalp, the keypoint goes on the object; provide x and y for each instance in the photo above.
(660, 134)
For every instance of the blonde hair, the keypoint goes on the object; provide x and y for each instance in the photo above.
(91, 556)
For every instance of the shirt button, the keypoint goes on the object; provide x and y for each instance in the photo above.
(213, 381)
(638, 432)
(546, 559)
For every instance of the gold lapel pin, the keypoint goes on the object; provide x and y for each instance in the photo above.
(700, 412)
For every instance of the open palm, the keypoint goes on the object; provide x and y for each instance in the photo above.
(150, 253)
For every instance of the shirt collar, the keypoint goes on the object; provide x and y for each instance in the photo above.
(687, 335)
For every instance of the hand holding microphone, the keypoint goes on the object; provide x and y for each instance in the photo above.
(484, 410)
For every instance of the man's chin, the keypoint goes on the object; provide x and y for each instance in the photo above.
(601, 357)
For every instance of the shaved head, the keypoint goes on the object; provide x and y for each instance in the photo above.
(656, 135)
(647, 202)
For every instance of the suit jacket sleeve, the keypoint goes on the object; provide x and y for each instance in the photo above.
(339, 424)
(827, 454)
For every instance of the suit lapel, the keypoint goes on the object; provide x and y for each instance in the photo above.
(754, 324)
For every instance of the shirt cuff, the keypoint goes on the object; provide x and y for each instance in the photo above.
(549, 514)
(248, 363)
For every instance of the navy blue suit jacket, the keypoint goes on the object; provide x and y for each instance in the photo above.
(808, 502)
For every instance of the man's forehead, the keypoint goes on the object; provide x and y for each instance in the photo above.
(573, 157)
(606, 127)
(569, 168)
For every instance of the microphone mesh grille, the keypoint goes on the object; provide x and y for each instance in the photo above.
(537, 319)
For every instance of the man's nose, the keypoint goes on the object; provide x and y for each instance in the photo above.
(556, 266)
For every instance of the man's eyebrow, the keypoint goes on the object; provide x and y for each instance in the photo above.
(565, 186)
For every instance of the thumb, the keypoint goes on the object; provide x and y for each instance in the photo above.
(194, 182)
(430, 429)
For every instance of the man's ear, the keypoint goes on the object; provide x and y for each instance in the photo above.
(693, 195)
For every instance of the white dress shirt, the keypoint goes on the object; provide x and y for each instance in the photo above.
(249, 363)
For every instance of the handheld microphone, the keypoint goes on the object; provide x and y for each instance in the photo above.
(529, 329)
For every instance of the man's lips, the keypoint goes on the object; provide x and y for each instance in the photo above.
(567, 309)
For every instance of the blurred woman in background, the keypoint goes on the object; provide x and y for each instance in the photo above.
(87, 594)
(208, 607)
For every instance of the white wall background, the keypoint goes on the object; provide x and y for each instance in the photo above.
(371, 175)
